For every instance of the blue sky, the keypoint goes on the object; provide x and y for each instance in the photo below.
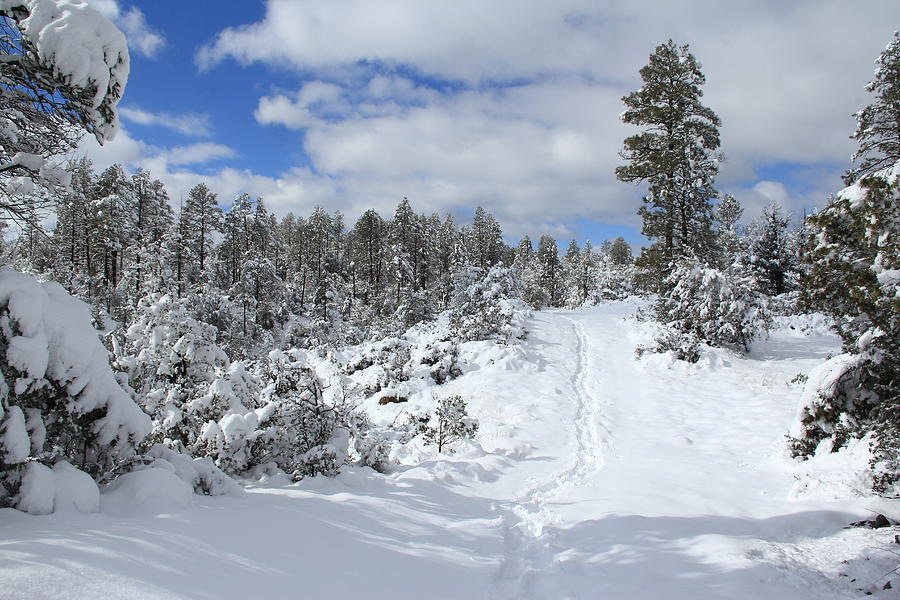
(511, 105)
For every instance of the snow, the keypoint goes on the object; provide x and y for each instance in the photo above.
(154, 489)
(84, 49)
(74, 490)
(51, 339)
(38, 490)
(14, 436)
(593, 475)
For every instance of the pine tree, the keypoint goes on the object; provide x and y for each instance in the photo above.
(550, 269)
(878, 125)
(202, 218)
(772, 259)
(674, 155)
(853, 264)
(727, 215)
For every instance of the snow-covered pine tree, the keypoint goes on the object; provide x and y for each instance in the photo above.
(368, 241)
(727, 214)
(485, 305)
(59, 400)
(485, 240)
(675, 155)
(614, 271)
(878, 124)
(171, 359)
(202, 218)
(713, 306)
(527, 269)
(550, 270)
(771, 256)
(450, 423)
(854, 275)
(48, 100)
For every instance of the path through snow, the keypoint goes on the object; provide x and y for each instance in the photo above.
(602, 477)
(525, 542)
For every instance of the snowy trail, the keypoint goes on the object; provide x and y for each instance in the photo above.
(597, 477)
(526, 519)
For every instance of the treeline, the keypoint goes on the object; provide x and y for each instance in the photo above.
(298, 281)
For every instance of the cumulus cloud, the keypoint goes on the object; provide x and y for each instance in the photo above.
(194, 125)
(139, 34)
(528, 125)
(141, 37)
(202, 153)
(514, 105)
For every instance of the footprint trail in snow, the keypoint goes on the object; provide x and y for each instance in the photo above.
(529, 523)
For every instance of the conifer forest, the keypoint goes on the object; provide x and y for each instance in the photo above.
(216, 395)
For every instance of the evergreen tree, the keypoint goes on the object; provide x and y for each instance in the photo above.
(202, 217)
(674, 155)
(772, 258)
(878, 125)
(550, 269)
(728, 212)
(853, 262)
(620, 252)
(486, 239)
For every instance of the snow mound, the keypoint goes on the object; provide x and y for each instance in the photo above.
(37, 491)
(60, 489)
(75, 490)
(154, 489)
(200, 474)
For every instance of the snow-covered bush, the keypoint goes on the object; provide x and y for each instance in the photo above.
(683, 346)
(379, 364)
(59, 399)
(854, 276)
(488, 306)
(449, 423)
(369, 446)
(711, 305)
(440, 357)
(171, 360)
(300, 429)
(833, 406)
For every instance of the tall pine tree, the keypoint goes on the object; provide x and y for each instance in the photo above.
(675, 154)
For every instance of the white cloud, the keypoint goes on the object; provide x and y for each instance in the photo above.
(784, 77)
(132, 22)
(199, 153)
(195, 125)
(139, 34)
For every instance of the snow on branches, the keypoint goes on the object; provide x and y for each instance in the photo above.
(59, 399)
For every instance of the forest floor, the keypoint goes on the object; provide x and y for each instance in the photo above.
(595, 475)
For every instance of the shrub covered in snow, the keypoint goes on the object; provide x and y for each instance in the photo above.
(449, 423)
(302, 429)
(171, 360)
(59, 399)
(487, 306)
(854, 276)
(717, 308)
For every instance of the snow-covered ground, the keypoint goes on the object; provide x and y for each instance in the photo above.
(594, 475)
